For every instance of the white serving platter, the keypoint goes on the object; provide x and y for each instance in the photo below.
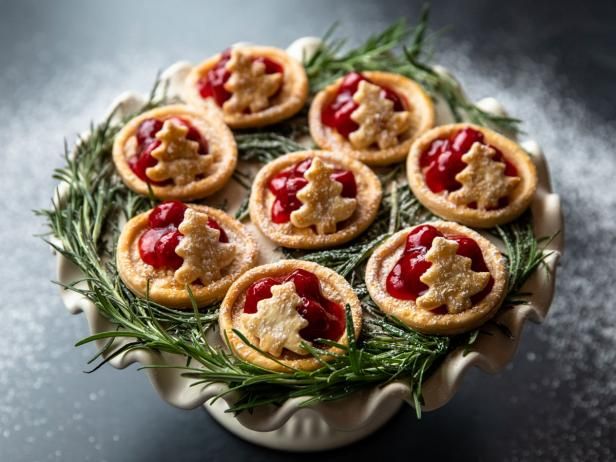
(328, 425)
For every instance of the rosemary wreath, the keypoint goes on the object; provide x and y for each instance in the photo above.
(84, 226)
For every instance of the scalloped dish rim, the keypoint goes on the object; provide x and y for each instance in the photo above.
(491, 353)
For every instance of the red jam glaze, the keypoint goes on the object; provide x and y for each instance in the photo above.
(286, 184)
(147, 142)
(337, 114)
(212, 84)
(326, 319)
(157, 245)
(403, 280)
(442, 161)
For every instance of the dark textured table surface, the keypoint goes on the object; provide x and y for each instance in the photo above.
(61, 64)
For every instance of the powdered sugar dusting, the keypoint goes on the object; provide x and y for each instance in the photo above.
(579, 337)
(41, 409)
(568, 389)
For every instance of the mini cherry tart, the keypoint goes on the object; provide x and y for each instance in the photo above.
(396, 275)
(180, 152)
(274, 199)
(319, 296)
(275, 92)
(148, 251)
(334, 117)
(447, 174)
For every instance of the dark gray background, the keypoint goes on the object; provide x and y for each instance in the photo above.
(61, 64)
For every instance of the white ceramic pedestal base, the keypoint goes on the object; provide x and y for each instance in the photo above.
(305, 431)
(352, 419)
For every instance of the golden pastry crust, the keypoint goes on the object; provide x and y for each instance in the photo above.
(387, 255)
(287, 102)
(209, 122)
(164, 289)
(418, 104)
(333, 287)
(441, 205)
(368, 197)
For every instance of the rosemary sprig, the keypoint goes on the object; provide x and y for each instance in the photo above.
(524, 254)
(394, 351)
(84, 221)
(345, 260)
(399, 49)
(264, 147)
(85, 224)
(330, 63)
(242, 212)
(443, 85)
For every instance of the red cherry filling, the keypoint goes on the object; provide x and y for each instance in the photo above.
(403, 280)
(442, 161)
(147, 142)
(156, 253)
(286, 184)
(143, 160)
(212, 84)
(325, 318)
(337, 114)
(157, 245)
(147, 131)
(167, 213)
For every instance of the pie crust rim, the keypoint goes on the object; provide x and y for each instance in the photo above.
(247, 253)
(208, 120)
(423, 115)
(332, 284)
(288, 102)
(369, 194)
(437, 203)
(387, 255)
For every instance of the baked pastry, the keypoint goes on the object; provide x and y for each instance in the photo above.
(471, 175)
(438, 278)
(372, 116)
(180, 152)
(279, 306)
(314, 199)
(173, 245)
(255, 86)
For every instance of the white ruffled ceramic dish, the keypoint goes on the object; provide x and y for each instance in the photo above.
(329, 425)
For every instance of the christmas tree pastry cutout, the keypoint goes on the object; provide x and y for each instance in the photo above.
(204, 256)
(322, 203)
(450, 280)
(250, 86)
(483, 179)
(178, 157)
(377, 120)
(277, 324)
